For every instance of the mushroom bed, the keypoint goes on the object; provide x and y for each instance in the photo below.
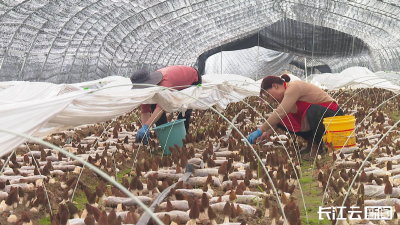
(214, 178)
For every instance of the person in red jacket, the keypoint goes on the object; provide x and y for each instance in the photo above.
(170, 76)
(301, 111)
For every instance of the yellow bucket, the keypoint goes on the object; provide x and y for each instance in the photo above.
(339, 130)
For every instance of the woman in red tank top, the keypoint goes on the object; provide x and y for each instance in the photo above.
(302, 105)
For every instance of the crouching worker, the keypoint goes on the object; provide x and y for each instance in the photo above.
(301, 111)
(171, 76)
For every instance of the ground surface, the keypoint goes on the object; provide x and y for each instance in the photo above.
(206, 128)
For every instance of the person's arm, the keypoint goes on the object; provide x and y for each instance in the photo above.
(146, 112)
(266, 127)
(145, 116)
(155, 116)
(288, 101)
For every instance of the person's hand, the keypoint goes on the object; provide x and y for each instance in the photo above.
(143, 133)
(253, 136)
(265, 135)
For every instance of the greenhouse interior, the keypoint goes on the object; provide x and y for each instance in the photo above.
(199, 112)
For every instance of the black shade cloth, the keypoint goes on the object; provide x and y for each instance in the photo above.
(298, 38)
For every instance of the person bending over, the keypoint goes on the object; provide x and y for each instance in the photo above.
(171, 76)
(302, 105)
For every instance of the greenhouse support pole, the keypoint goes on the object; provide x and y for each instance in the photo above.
(258, 49)
(305, 66)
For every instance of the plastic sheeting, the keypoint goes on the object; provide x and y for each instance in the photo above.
(254, 63)
(29, 117)
(41, 109)
(358, 77)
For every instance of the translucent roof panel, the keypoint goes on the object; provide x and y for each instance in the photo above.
(68, 41)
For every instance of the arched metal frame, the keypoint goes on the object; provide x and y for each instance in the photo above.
(72, 41)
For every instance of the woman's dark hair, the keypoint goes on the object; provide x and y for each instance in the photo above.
(269, 80)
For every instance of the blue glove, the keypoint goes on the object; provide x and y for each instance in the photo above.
(253, 136)
(143, 133)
